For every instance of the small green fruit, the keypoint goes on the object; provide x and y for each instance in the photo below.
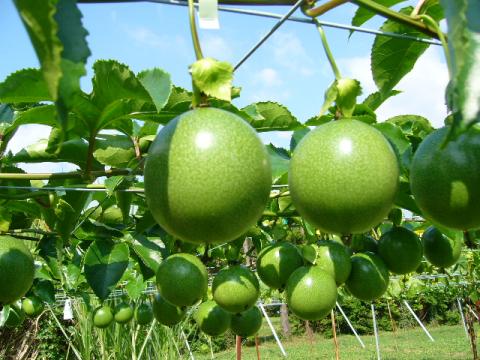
(311, 293)
(207, 176)
(102, 317)
(445, 178)
(247, 323)
(166, 313)
(343, 177)
(32, 306)
(401, 250)
(123, 313)
(369, 277)
(16, 269)
(211, 318)
(334, 258)
(439, 249)
(276, 263)
(144, 314)
(364, 243)
(235, 289)
(182, 279)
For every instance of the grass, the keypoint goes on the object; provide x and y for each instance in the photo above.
(450, 343)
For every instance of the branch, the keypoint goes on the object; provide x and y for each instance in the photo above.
(24, 196)
(322, 9)
(64, 175)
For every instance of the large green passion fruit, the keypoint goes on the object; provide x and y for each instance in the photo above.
(445, 179)
(207, 176)
(211, 318)
(441, 250)
(369, 277)
(343, 177)
(16, 269)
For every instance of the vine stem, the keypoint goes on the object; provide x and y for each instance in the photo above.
(193, 30)
(443, 40)
(63, 175)
(394, 15)
(322, 9)
(328, 52)
(418, 7)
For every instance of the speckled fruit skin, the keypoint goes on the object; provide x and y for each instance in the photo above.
(166, 313)
(276, 263)
(334, 258)
(144, 314)
(343, 177)
(369, 277)
(235, 289)
(32, 306)
(401, 250)
(445, 181)
(311, 293)
(16, 269)
(102, 317)
(439, 249)
(182, 279)
(123, 313)
(207, 176)
(211, 318)
(247, 323)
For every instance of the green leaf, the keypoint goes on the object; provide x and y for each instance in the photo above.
(309, 253)
(362, 15)
(150, 252)
(69, 214)
(464, 47)
(24, 86)
(114, 81)
(395, 135)
(319, 120)
(297, 137)
(104, 265)
(374, 100)
(114, 150)
(405, 200)
(393, 58)
(213, 78)
(330, 96)
(280, 160)
(48, 251)
(270, 116)
(412, 125)
(93, 230)
(42, 115)
(45, 290)
(158, 84)
(180, 100)
(347, 92)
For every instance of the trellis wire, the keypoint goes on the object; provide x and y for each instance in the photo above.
(266, 14)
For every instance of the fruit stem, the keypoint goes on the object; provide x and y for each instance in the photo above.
(396, 16)
(322, 9)
(328, 52)
(441, 36)
(418, 7)
(193, 30)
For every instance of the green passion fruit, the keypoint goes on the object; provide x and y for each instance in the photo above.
(211, 318)
(16, 269)
(343, 177)
(247, 323)
(166, 313)
(439, 249)
(123, 313)
(235, 289)
(182, 279)
(369, 277)
(445, 179)
(207, 176)
(277, 262)
(32, 306)
(102, 317)
(311, 293)
(144, 314)
(334, 258)
(363, 243)
(401, 250)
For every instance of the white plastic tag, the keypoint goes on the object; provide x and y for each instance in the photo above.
(208, 14)
(67, 310)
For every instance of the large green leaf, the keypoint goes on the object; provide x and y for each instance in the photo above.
(114, 150)
(374, 100)
(393, 58)
(280, 160)
(150, 252)
(158, 84)
(104, 264)
(27, 85)
(69, 214)
(464, 48)
(297, 137)
(362, 15)
(395, 135)
(270, 116)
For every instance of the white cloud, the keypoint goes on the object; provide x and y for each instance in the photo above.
(217, 47)
(268, 77)
(148, 37)
(289, 52)
(423, 89)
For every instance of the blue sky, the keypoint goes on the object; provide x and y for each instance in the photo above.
(289, 68)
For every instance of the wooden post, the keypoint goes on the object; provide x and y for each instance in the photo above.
(285, 321)
(471, 334)
(309, 332)
(257, 347)
(239, 347)
(335, 340)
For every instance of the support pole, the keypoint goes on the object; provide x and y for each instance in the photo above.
(335, 340)
(257, 347)
(375, 330)
(238, 347)
(188, 345)
(459, 304)
(473, 312)
(351, 326)
(279, 343)
(418, 320)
